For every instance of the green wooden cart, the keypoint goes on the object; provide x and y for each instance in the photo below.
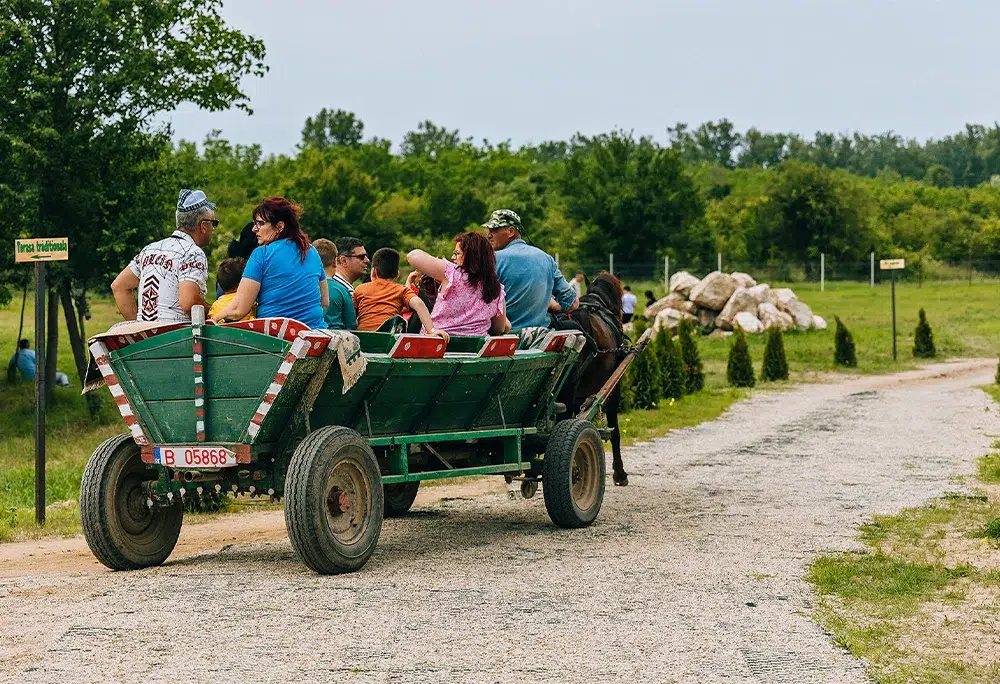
(342, 427)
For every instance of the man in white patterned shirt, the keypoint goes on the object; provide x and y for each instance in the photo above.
(170, 274)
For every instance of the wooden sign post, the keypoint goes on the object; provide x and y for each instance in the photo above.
(892, 265)
(40, 250)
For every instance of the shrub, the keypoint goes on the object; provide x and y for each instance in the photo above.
(693, 370)
(775, 364)
(923, 339)
(739, 370)
(668, 358)
(642, 379)
(843, 349)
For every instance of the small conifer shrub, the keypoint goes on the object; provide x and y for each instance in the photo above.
(923, 339)
(775, 363)
(739, 370)
(668, 356)
(843, 349)
(642, 379)
(693, 369)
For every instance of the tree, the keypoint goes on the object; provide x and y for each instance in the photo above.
(642, 379)
(843, 349)
(939, 176)
(775, 365)
(923, 339)
(739, 368)
(693, 369)
(668, 358)
(82, 85)
(332, 127)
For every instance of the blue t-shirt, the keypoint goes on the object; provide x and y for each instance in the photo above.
(25, 363)
(289, 287)
(531, 278)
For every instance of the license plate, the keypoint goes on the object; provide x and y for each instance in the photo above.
(194, 457)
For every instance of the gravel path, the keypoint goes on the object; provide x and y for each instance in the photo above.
(692, 573)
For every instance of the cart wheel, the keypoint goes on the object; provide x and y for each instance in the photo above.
(333, 500)
(123, 532)
(399, 498)
(573, 473)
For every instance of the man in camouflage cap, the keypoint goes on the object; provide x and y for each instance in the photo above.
(530, 277)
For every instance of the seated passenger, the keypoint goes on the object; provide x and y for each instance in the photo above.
(383, 298)
(227, 277)
(350, 265)
(531, 279)
(285, 274)
(471, 298)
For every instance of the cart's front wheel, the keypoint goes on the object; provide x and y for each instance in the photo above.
(121, 529)
(573, 473)
(333, 500)
(399, 498)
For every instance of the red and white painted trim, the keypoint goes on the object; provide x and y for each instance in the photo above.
(100, 353)
(298, 350)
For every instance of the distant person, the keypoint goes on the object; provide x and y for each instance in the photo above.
(170, 274)
(228, 277)
(471, 298)
(352, 264)
(629, 302)
(650, 297)
(383, 299)
(285, 274)
(577, 283)
(23, 362)
(533, 283)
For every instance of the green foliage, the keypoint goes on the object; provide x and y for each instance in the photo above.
(739, 369)
(671, 365)
(693, 368)
(923, 339)
(775, 365)
(843, 349)
(642, 379)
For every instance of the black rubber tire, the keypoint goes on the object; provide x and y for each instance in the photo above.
(311, 512)
(574, 455)
(121, 530)
(399, 498)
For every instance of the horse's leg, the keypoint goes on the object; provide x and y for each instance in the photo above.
(619, 475)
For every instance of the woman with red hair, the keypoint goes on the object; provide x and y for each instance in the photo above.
(471, 300)
(284, 274)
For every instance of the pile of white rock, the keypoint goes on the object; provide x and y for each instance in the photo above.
(721, 301)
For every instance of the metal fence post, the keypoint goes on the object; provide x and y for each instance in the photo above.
(719, 262)
(557, 260)
(666, 273)
(611, 263)
(873, 269)
(822, 271)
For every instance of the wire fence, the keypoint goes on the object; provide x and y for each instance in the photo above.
(821, 270)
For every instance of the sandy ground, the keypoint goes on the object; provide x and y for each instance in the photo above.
(692, 573)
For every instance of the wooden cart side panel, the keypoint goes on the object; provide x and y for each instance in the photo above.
(216, 340)
(225, 376)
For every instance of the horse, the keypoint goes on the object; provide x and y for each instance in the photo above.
(600, 318)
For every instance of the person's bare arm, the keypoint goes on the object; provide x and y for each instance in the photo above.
(499, 325)
(246, 295)
(188, 295)
(324, 293)
(418, 307)
(124, 288)
(425, 263)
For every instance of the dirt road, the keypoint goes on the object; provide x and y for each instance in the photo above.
(692, 573)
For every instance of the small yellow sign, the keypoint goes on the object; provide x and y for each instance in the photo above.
(41, 249)
(890, 264)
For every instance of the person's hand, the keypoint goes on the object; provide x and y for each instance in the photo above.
(440, 333)
(410, 279)
(217, 319)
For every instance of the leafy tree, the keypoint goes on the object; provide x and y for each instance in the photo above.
(843, 350)
(939, 176)
(775, 365)
(332, 127)
(642, 379)
(692, 359)
(923, 339)
(430, 140)
(668, 358)
(739, 368)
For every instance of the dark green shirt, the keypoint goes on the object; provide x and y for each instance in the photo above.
(340, 315)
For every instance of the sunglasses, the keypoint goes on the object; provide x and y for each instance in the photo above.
(214, 222)
(356, 256)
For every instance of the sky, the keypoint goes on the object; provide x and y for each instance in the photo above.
(535, 70)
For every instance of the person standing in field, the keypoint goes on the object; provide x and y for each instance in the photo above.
(629, 302)
(352, 263)
(532, 282)
(170, 274)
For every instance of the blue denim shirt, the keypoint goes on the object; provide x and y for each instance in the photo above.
(531, 278)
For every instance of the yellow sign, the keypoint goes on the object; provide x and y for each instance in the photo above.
(41, 249)
(890, 264)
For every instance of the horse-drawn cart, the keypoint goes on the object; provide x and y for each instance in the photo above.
(344, 427)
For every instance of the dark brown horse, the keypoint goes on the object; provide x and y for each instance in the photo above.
(600, 318)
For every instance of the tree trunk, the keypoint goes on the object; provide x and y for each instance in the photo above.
(77, 342)
(51, 344)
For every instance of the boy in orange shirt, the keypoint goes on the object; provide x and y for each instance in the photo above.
(382, 298)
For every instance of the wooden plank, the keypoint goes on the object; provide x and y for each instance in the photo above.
(225, 419)
(225, 376)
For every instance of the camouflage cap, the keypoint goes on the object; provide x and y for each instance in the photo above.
(503, 218)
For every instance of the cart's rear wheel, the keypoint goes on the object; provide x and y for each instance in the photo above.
(333, 500)
(399, 498)
(573, 473)
(123, 532)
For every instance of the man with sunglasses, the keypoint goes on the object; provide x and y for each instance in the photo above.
(352, 264)
(170, 274)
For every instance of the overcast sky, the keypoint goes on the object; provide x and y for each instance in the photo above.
(534, 70)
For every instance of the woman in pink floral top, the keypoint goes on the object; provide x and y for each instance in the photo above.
(471, 300)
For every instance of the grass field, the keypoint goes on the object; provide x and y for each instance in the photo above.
(966, 321)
